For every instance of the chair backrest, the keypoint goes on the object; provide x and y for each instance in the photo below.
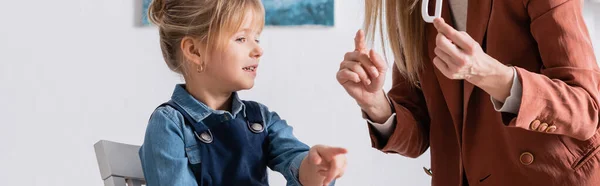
(119, 164)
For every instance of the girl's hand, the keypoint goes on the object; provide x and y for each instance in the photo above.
(322, 165)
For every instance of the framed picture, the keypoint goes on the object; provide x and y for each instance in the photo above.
(145, 5)
(299, 12)
(284, 12)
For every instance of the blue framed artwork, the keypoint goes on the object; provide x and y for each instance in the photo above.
(285, 12)
(299, 12)
(145, 5)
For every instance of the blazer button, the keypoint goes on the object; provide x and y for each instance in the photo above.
(551, 129)
(526, 158)
(543, 127)
(534, 125)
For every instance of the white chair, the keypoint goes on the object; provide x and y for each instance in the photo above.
(119, 164)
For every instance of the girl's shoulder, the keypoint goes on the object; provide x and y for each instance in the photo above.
(166, 117)
(268, 115)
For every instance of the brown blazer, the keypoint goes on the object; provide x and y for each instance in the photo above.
(549, 45)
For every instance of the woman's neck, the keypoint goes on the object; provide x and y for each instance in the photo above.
(217, 100)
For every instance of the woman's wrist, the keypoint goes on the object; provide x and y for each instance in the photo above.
(497, 83)
(380, 111)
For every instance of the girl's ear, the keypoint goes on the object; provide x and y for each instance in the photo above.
(191, 49)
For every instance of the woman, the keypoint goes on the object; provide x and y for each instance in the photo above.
(511, 101)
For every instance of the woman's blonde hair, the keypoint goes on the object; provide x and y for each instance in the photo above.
(210, 21)
(405, 32)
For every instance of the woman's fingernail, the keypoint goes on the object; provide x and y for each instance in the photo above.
(368, 82)
(375, 72)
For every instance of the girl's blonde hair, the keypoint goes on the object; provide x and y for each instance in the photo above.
(405, 32)
(210, 21)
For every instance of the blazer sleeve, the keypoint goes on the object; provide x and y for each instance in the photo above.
(410, 137)
(563, 99)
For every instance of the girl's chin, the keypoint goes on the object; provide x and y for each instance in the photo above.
(246, 85)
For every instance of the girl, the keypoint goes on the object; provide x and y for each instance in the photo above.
(207, 135)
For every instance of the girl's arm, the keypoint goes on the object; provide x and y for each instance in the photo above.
(163, 152)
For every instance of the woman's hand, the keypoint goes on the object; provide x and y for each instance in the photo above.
(459, 56)
(322, 165)
(362, 74)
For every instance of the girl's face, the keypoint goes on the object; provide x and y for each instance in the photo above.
(235, 66)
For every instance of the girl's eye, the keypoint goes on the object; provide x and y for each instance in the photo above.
(257, 41)
(241, 39)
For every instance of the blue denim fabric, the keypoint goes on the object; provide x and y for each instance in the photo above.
(168, 145)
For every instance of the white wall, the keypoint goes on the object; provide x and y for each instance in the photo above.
(73, 72)
(591, 13)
